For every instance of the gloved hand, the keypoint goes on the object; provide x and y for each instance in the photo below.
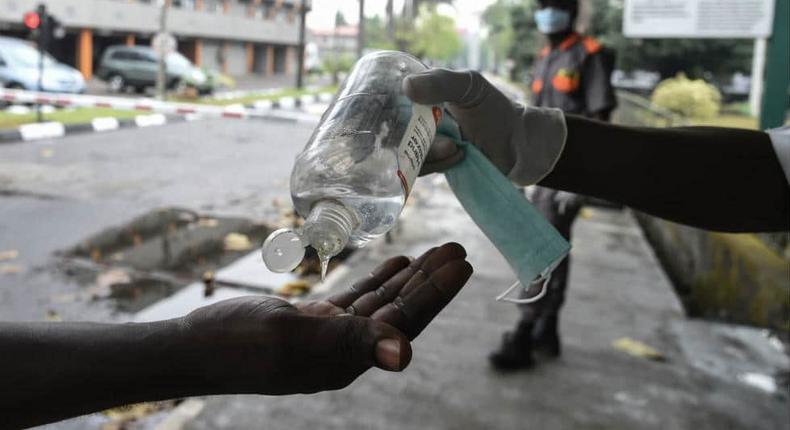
(523, 142)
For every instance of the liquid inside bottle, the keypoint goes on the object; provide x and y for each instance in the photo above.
(352, 179)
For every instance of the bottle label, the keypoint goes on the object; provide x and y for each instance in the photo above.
(416, 142)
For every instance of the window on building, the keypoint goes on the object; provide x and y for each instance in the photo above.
(281, 16)
(184, 4)
(214, 6)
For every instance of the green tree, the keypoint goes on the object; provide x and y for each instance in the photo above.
(512, 34)
(376, 34)
(340, 19)
(497, 18)
(337, 64)
(529, 41)
(434, 36)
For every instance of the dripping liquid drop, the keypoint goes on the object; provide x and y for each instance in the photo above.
(324, 265)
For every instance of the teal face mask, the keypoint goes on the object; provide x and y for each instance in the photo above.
(551, 20)
(531, 245)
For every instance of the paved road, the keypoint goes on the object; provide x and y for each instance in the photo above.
(617, 290)
(54, 194)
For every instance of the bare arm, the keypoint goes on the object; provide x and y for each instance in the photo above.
(713, 178)
(73, 369)
(250, 345)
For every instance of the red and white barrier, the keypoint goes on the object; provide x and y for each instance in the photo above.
(262, 110)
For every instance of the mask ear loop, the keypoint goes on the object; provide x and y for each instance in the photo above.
(544, 279)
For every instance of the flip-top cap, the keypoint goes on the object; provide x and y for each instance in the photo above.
(283, 251)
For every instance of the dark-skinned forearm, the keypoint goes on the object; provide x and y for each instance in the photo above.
(52, 371)
(713, 178)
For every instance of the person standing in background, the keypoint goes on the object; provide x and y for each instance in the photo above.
(572, 73)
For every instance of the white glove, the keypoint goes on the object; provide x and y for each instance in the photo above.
(523, 142)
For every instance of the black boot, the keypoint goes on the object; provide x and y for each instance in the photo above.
(515, 352)
(546, 336)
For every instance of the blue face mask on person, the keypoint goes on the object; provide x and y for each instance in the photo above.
(552, 20)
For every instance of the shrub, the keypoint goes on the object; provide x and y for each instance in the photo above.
(690, 98)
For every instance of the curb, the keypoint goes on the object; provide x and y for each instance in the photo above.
(52, 130)
(290, 102)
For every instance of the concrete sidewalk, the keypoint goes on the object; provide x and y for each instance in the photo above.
(617, 290)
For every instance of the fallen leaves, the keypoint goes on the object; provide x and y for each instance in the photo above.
(294, 289)
(124, 417)
(237, 242)
(11, 254)
(10, 269)
(109, 278)
(638, 349)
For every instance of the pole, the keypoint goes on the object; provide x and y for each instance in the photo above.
(758, 77)
(391, 21)
(43, 28)
(361, 29)
(777, 70)
(161, 76)
(300, 58)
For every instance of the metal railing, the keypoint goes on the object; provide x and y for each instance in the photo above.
(635, 110)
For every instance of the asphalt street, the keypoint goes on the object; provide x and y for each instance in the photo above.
(54, 194)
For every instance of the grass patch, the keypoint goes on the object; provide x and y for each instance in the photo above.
(732, 121)
(66, 116)
(85, 115)
(729, 121)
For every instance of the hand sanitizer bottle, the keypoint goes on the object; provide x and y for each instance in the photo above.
(352, 179)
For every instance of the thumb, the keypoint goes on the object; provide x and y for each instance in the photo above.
(363, 341)
(438, 86)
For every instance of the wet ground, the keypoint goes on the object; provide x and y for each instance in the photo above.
(103, 227)
(709, 376)
(55, 195)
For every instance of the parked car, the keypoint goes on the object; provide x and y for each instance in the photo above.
(19, 69)
(137, 67)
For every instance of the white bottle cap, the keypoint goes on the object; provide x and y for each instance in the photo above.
(283, 251)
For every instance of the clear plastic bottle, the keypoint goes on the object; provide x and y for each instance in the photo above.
(352, 179)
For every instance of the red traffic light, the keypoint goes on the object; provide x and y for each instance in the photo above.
(32, 20)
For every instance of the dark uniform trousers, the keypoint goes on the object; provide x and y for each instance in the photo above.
(574, 77)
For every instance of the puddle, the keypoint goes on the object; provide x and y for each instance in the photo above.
(171, 240)
(157, 254)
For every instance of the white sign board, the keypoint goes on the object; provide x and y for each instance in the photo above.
(164, 43)
(747, 19)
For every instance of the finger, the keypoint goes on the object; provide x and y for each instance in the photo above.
(358, 343)
(444, 154)
(465, 89)
(443, 254)
(381, 274)
(373, 300)
(412, 313)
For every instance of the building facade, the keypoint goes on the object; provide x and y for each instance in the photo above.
(237, 37)
(335, 41)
